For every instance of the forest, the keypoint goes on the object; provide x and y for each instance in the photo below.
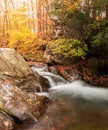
(79, 28)
(53, 64)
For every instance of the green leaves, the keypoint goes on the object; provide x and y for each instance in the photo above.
(69, 48)
(97, 34)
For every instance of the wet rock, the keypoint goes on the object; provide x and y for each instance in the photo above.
(20, 104)
(16, 76)
(69, 72)
(93, 71)
(13, 69)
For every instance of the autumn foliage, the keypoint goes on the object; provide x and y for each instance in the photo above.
(29, 27)
(69, 48)
(27, 43)
(25, 25)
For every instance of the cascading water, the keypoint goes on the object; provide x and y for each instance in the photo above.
(53, 79)
(78, 89)
(77, 105)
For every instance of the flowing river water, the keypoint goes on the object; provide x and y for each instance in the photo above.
(76, 106)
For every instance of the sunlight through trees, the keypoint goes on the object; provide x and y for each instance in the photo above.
(29, 13)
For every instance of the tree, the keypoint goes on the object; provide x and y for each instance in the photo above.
(63, 13)
(73, 17)
(45, 24)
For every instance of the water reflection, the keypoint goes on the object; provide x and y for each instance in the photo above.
(66, 114)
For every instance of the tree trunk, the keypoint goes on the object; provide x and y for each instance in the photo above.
(107, 11)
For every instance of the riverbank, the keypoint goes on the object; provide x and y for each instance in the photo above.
(91, 70)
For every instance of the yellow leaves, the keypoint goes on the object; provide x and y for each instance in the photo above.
(72, 5)
(97, 18)
(19, 36)
(26, 43)
(73, 51)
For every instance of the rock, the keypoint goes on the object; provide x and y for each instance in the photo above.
(93, 71)
(69, 72)
(16, 76)
(15, 70)
(20, 105)
(6, 122)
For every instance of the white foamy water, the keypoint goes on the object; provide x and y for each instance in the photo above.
(80, 89)
(53, 79)
(75, 89)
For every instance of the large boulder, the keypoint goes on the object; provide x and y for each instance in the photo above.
(16, 76)
(13, 69)
(19, 105)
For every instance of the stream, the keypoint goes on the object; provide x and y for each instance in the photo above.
(75, 106)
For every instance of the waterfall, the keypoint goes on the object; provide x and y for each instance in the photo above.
(53, 79)
(74, 89)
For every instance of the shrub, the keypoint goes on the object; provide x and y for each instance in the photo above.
(26, 43)
(69, 48)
